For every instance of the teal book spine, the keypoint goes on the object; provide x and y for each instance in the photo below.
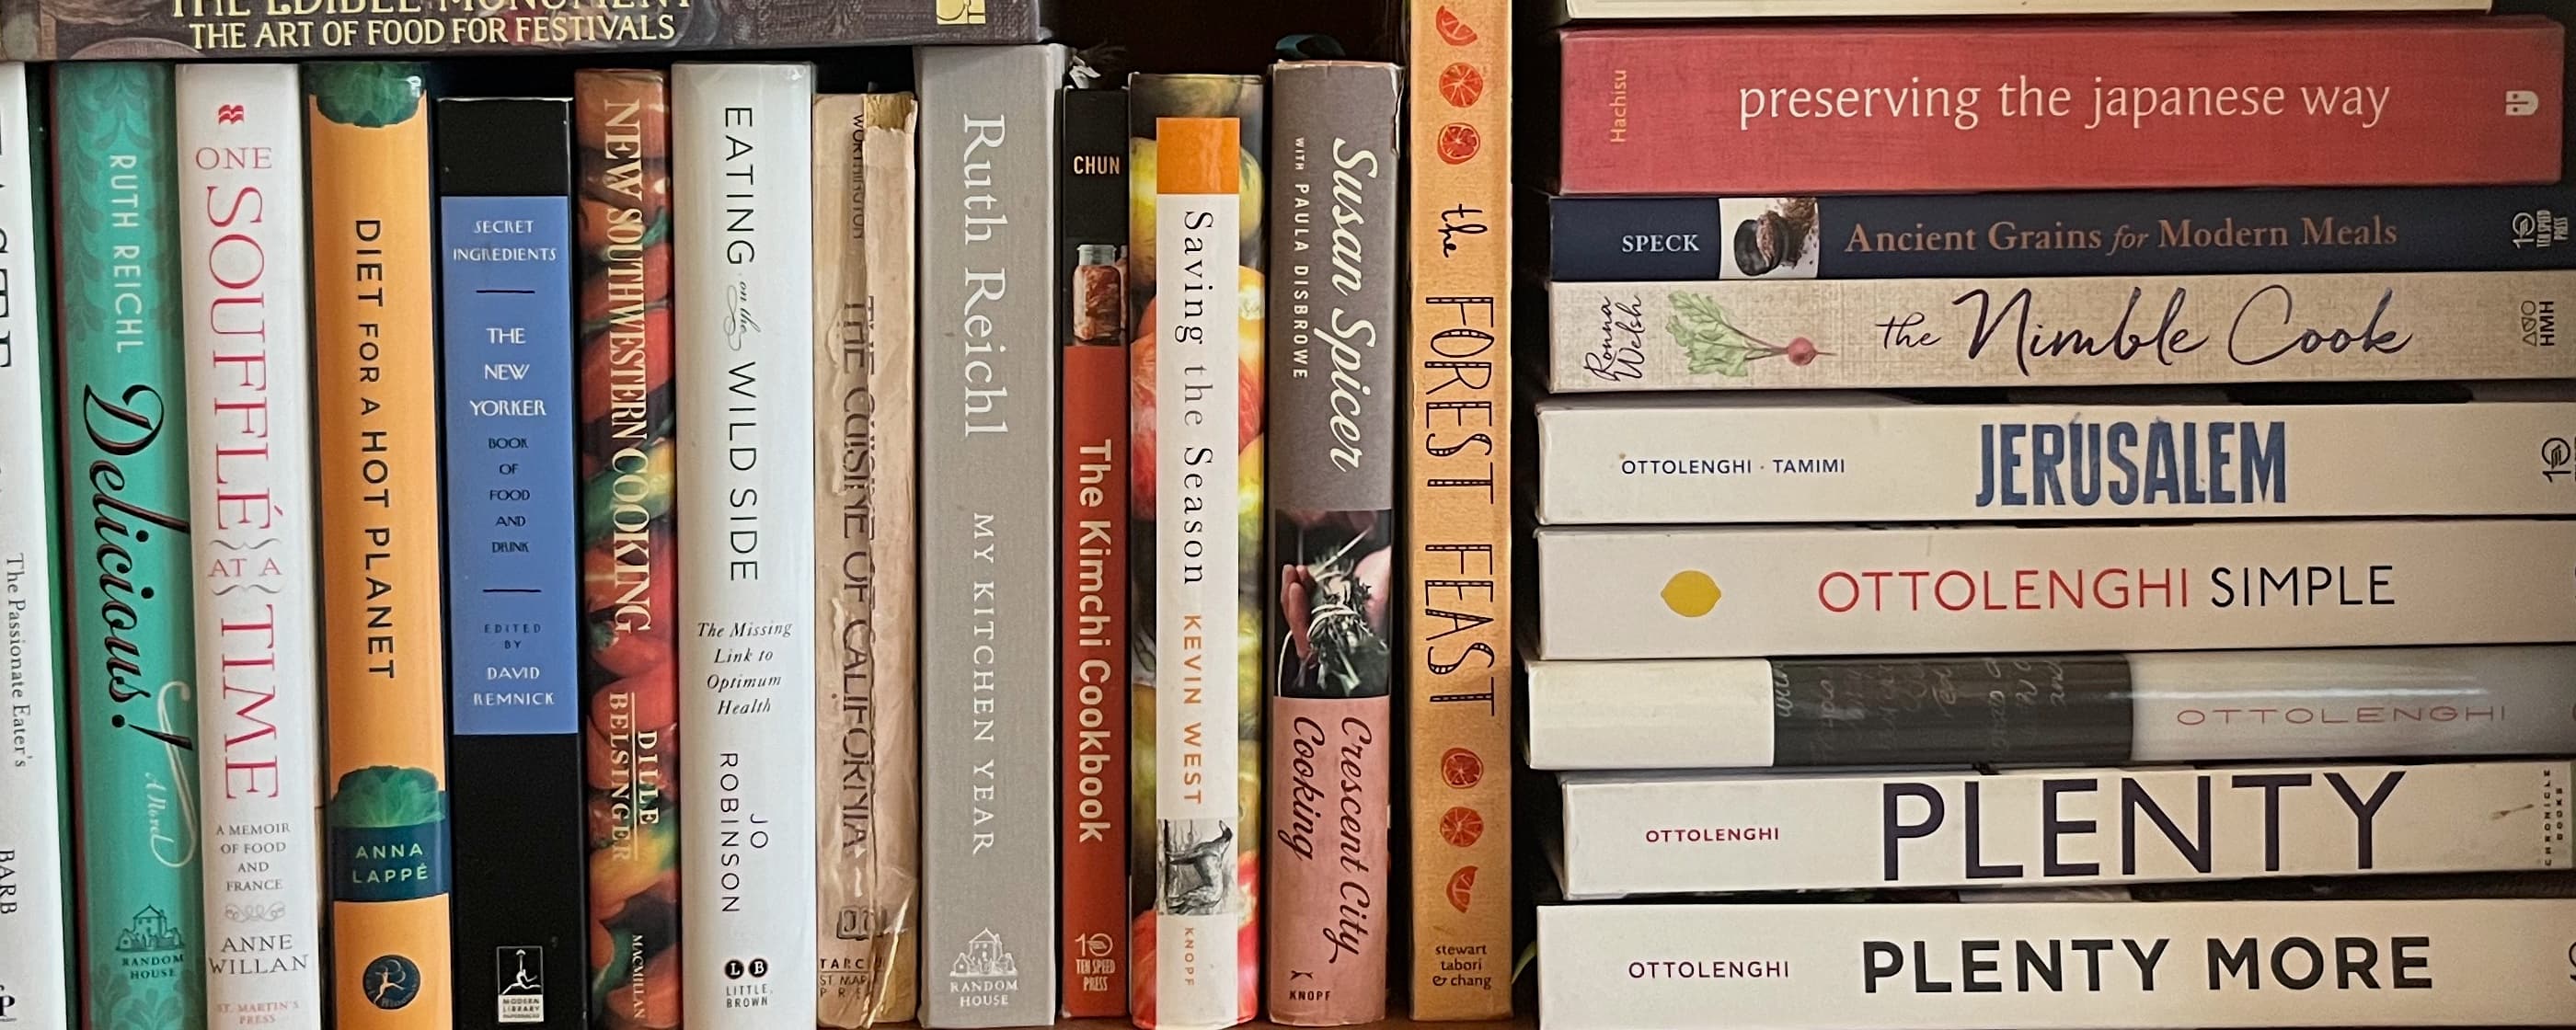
(124, 392)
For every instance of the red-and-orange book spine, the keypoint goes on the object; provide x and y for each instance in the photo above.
(1093, 625)
(1457, 557)
(2029, 104)
(630, 576)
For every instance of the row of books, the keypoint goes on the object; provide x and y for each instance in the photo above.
(2012, 560)
(598, 580)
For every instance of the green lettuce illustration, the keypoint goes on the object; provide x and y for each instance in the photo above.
(387, 796)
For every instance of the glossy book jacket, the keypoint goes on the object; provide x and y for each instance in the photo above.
(384, 656)
(250, 408)
(630, 566)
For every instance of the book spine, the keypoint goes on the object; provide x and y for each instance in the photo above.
(1092, 820)
(2059, 332)
(47, 30)
(869, 834)
(988, 522)
(1458, 528)
(2051, 709)
(1648, 593)
(1330, 656)
(1926, 463)
(514, 655)
(37, 971)
(1195, 520)
(1686, 835)
(383, 652)
(1983, 106)
(2049, 965)
(742, 145)
(133, 641)
(2183, 232)
(251, 500)
(631, 744)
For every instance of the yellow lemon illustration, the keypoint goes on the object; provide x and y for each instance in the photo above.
(1690, 593)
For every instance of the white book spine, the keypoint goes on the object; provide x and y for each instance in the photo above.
(1666, 834)
(1709, 459)
(2057, 965)
(250, 471)
(742, 143)
(1730, 593)
(35, 971)
(2176, 706)
(1196, 603)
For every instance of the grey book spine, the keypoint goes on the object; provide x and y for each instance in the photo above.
(988, 583)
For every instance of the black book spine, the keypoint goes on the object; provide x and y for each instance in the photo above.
(515, 787)
(2003, 235)
(2066, 709)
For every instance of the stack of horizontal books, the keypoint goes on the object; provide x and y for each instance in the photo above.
(2056, 464)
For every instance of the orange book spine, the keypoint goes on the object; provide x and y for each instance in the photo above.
(376, 370)
(1458, 509)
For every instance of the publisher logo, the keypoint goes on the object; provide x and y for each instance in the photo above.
(2539, 230)
(983, 958)
(2555, 458)
(150, 931)
(228, 114)
(8, 1002)
(391, 982)
(971, 12)
(2540, 323)
(521, 974)
(2521, 103)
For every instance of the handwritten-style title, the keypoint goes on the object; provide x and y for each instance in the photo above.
(2105, 105)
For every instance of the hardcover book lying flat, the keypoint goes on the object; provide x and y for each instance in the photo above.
(1721, 592)
(1840, 457)
(2001, 104)
(2074, 331)
(2056, 965)
(2132, 232)
(1706, 833)
(2061, 709)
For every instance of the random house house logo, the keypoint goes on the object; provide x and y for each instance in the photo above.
(983, 975)
(150, 946)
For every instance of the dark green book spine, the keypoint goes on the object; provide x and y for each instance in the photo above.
(126, 537)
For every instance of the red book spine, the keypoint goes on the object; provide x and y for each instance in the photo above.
(1093, 636)
(2007, 105)
(1094, 791)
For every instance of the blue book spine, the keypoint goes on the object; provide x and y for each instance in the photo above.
(514, 624)
(1998, 235)
(507, 342)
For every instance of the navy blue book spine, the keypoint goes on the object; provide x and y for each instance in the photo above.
(2003, 235)
(514, 651)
